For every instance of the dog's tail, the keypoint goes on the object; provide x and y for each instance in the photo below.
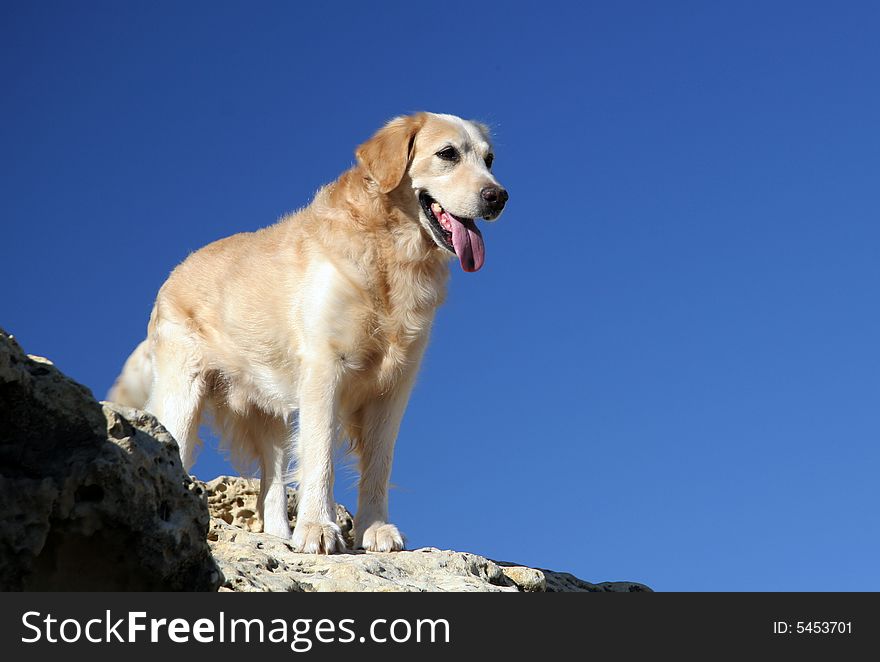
(132, 387)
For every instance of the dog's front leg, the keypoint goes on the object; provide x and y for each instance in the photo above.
(381, 423)
(372, 531)
(316, 531)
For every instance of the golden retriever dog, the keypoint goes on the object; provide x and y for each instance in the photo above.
(311, 331)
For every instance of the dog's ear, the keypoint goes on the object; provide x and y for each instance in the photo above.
(387, 154)
(483, 129)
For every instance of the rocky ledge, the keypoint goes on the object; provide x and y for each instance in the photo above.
(94, 495)
(252, 561)
(95, 498)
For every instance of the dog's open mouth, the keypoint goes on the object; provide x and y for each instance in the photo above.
(457, 235)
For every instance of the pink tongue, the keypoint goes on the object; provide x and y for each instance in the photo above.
(467, 241)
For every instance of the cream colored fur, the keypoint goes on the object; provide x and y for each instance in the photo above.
(312, 330)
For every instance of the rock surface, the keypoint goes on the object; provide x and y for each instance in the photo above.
(252, 561)
(94, 495)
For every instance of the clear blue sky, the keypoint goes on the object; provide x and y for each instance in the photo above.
(674, 347)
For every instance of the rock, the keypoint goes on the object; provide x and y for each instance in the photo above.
(94, 494)
(527, 579)
(563, 582)
(258, 562)
(252, 561)
(234, 500)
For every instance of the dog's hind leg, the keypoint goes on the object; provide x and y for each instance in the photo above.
(274, 451)
(176, 394)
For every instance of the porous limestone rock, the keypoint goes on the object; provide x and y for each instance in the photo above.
(258, 562)
(252, 561)
(94, 495)
(234, 500)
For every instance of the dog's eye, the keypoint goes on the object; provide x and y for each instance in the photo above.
(448, 154)
(489, 160)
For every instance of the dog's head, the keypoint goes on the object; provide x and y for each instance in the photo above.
(438, 168)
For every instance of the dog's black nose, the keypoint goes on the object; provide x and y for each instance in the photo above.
(495, 196)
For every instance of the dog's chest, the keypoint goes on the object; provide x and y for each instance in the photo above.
(406, 303)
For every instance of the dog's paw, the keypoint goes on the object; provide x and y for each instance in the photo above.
(380, 537)
(317, 538)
